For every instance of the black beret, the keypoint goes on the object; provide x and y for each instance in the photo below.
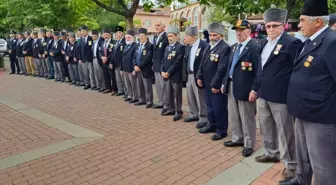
(107, 30)
(130, 32)
(95, 32)
(73, 35)
(84, 28)
(315, 8)
(43, 30)
(332, 19)
(119, 28)
(142, 31)
(63, 33)
(56, 33)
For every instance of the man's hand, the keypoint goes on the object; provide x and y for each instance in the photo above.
(51, 54)
(80, 61)
(75, 59)
(215, 91)
(24, 52)
(63, 52)
(39, 55)
(165, 75)
(104, 59)
(199, 82)
(253, 96)
(134, 73)
(67, 58)
(9, 51)
(137, 69)
(111, 66)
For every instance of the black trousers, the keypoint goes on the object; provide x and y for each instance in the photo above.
(14, 62)
(109, 77)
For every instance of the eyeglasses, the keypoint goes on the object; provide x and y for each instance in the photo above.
(273, 26)
(213, 35)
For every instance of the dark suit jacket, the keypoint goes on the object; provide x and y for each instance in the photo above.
(116, 59)
(28, 47)
(12, 42)
(273, 79)
(49, 45)
(109, 50)
(72, 51)
(244, 73)
(127, 58)
(43, 46)
(85, 49)
(146, 57)
(99, 48)
(213, 68)
(36, 51)
(173, 62)
(159, 47)
(19, 46)
(203, 47)
(57, 50)
(65, 44)
(312, 87)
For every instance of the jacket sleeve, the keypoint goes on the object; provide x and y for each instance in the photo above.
(255, 62)
(293, 49)
(164, 60)
(199, 74)
(178, 61)
(148, 58)
(221, 69)
(330, 59)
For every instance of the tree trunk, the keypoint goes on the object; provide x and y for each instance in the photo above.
(289, 6)
(129, 22)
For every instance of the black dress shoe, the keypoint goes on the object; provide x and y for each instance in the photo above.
(189, 119)
(125, 96)
(177, 117)
(247, 152)
(133, 101)
(72, 83)
(93, 88)
(107, 91)
(11, 73)
(57, 80)
(128, 99)
(232, 144)
(201, 124)
(62, 81)
(149, 105)
(82, 85)
(217, 136)
(157, 106)
(87, 87)
(207, 129)
(168, 113)
(140, 103)
(292, 181)
(101, 90)
(120, 93)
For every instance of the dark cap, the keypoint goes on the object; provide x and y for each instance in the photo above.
(244, 24)
(142, 31)
(79, 29)
(332, 19)
(19, 33)
(63, 33)
(35, 33)
(95, 32)
(315, 8)
(130, 32)
(12, 32)
(72, 35)
(43, 30)
(107, 30)
(84, 28)
(27, 32)
(119, 28)
(56, 33)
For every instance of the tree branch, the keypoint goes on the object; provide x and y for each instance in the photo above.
(109, 8)
(123, 5)
(134, 7)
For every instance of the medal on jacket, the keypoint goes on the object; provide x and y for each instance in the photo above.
(144, 52)
(44, 44)
(121, 48)
(160, 45)
(308, 61)
(90, 43)
(173, 53)
(277, 49)
(198, 51)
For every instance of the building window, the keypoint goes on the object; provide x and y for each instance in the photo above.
(147, 23)
(189, 16)
(195, 17)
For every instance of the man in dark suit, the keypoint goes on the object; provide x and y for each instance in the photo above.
(210, 76)
(142, 62)
(19, 54)
(116, 60)
(58, 58)
(50, 42)
(27, 50)
(106, 53)
(12, 42)
(311, 99)
(194, 54)
(276, 60)
(128, 67)
(98, 80)
(64, 37)
(36, 53)
(171, 71)
(160, 43)
(42, 47)
(85, 59)
(240, 84)
(71, 56)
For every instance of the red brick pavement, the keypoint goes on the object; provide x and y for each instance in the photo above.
(20, 133)
(140, 147)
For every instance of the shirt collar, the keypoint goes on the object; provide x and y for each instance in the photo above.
(143, 43)
(216, 44)
(245, 42)
(173, 44)
(318, 33)
(276, 39)
(160, 34)
(196, 43)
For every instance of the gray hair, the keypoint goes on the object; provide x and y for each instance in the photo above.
(325, 19)
(161, 22)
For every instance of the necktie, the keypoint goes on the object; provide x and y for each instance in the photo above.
(139, 54)
(169, 48)
(306, 42)
(235, 58)
(105, 49)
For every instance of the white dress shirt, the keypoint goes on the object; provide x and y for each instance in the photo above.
(95, 45)
(212, 46)
(243, 45)
(192, 54)
(317, 33)
(267, 50)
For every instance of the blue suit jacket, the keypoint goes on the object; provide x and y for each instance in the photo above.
(159, 47)
(85, 51)
(244, 77)
(146, 58)
(173, 62)
(127, 59)
(312, 88)
(273, 79)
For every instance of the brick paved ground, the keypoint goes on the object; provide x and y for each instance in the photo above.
(139, 147)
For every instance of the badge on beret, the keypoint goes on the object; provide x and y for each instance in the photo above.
(90, 43)
(198, 51)
(277, 49)
(160, 45)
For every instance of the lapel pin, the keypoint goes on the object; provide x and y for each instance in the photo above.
(314, 43)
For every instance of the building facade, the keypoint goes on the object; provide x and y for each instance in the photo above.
(148, 19)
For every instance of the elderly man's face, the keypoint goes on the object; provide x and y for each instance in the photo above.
(119, 35)
(84, 33)
(12, 35)
(142, 38)
(129, 38)
(274, 29)
(242, 34)
(48, 34)
(95, 37)
(214, 37)
(172, 38)
(308, 27)
(72, 39)
(159, 27)
(26, 35)
(106, 36)
(19, 36)
(189, 39)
